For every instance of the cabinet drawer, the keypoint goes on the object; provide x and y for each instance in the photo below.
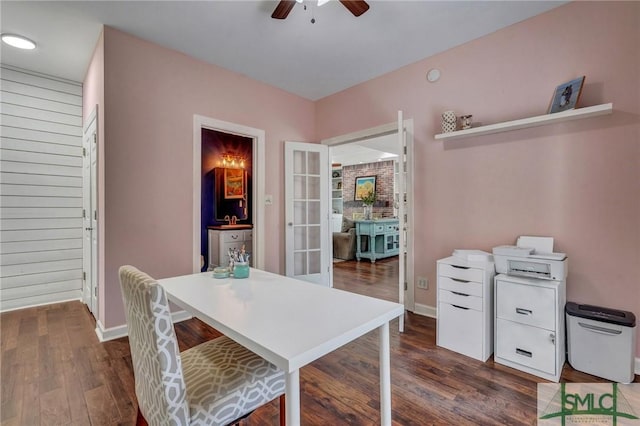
(529, 346)
(460, 330)
(391, 228)
(248, 235)
(461, 286)
(526, 304)
(460, 299)
(232, 236)
(460, 272)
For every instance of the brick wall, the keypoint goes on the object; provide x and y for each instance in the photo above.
(384, 173)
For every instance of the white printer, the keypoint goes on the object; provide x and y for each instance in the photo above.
(531, 257)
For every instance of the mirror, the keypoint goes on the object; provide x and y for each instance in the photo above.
(230, 190)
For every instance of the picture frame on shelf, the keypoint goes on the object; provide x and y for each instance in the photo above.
(233, 184)
(566, 95)
(364, 185)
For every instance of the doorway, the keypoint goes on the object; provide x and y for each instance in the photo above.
(227, 181)
(377, 146)
(256, 139)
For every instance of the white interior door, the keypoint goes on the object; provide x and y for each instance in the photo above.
(307, 233)
(89, 214)
(402, 214)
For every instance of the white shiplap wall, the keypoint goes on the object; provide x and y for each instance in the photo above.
(40, 189)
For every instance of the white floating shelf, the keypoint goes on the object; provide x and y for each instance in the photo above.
(540, 120)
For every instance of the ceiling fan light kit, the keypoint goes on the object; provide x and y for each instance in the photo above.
(356, 7)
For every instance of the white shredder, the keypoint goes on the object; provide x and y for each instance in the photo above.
(601, 341)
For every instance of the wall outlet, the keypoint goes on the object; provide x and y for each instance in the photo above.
(423, 283)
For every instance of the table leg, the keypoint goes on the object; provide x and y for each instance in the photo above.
(385, 376)
(292, 393)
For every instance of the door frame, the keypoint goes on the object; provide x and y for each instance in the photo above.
(258, 188)
(383, 130)
(90, 285)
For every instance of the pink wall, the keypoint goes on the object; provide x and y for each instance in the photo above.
(151, 95)
(578, 181)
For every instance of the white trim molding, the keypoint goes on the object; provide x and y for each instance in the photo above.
(258, 164)
(106, 334)
(637, 369)
(426, 310)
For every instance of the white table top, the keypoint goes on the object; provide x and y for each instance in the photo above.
(285, 320)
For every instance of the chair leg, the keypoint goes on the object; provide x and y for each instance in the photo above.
(283, 411)
(140, 421)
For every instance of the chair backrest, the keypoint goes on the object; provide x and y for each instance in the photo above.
(157, 366)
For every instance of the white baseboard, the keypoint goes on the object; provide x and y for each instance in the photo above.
(106, 334)
(119, 331)
(425, 310)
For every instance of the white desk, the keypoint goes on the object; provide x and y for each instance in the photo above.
(288, 322)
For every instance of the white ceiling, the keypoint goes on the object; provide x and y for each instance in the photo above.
(365, 151)
(310, 60)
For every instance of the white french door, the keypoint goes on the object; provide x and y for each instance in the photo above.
(89, 213)
(307, 234)
(401, 198)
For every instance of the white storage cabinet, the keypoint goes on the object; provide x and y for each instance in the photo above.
(529, 326)
(465, 307)
(221, 241)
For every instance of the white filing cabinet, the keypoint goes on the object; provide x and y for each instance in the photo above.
(465, 307)
(221, 241)
(529, 328)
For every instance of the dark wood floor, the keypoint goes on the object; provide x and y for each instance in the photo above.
(55, 372)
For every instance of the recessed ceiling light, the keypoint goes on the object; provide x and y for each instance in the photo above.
(18, 41)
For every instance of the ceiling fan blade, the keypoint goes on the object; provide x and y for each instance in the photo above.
(357, 7)
(283, 8)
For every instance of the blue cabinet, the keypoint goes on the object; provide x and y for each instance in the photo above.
(377, 239)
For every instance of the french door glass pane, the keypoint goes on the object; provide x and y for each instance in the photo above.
(314, 163)
(314, 262)
(300, 212)
(299, 187)
(299, 162)
(314, 237)
(300, 263)
(314, 187)
(314, 213)
(300, 238)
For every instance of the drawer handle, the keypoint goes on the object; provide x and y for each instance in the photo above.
(597, 329)
(460, 281)
(460, 267)
(460, 307)
(524, 353)
(459, 294)
(523, 311)
(235, 237)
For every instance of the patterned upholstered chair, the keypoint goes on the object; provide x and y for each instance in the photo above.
(215, 383)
